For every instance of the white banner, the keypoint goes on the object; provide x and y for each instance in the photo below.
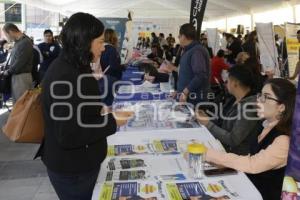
(267, 47)
(213, 39)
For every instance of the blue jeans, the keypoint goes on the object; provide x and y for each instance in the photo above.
(75, 186)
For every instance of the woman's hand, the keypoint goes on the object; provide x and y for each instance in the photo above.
(122, 117)
(202, 117)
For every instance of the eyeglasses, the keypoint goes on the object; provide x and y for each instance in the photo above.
(263, 98)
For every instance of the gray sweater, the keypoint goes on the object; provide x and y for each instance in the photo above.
(21, 57)
(237, 135)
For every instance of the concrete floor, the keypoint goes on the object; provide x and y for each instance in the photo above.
(21, 177)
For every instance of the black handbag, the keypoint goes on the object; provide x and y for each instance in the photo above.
(5, 80)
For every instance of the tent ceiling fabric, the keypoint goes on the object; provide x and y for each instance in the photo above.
(157, 8)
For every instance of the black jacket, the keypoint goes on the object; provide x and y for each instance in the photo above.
(69, 147)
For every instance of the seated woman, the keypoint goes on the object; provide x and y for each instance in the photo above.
(236, 131)
(268, 157)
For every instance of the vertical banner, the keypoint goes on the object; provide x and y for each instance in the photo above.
(267, 47)
(197, 14)
(291, 183)
(292, 46)
(213, 39)
(117, 24)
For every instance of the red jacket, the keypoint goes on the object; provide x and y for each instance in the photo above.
(217, 65)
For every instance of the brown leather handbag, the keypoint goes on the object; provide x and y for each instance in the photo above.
(25, 123)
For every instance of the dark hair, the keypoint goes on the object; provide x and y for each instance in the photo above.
(110, 36)
(298, 32)
(48, 31)
(10, 27)
(153, 34)
(162, 35)
(228, 35)
(243, 75)
(221, 53)
(188, 30)
(170, 34)
(148, 68)
(3, 42)
(254, 65)
(77, 37)
(251, 37)
(285, 92)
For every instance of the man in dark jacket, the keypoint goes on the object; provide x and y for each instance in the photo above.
(50, 50)
(194, 73)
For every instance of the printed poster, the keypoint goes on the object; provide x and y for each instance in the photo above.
(127, 175)
(292, 46)
(127, 149)
(131, 191)
(126, 163)
(200, 191)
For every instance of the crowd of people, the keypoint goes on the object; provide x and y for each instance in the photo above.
(254, 122)
(255, 109)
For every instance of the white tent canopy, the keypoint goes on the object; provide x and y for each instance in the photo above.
(157, 8)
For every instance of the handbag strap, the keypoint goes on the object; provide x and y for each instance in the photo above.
(8, 60)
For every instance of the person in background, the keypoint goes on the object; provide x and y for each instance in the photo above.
(20, 63)
(147, 43)
(204, 42)
(73, 149)
(266, 162)
(156, 53)
(167, 53)
(111, 63)
(240, 38)
(171, 41)
(50, 51)
(194, 73)
(217, 66)
(239, 123)
(251, 46)
(255, 67)
(241, 58)
(162, 40)
(111, 57)
(37, 59)
(233, 48)
(155, 39)
(223, 41)
(278, 44)
(3, 51)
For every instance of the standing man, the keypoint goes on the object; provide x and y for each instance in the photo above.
(20, 61)
(194, 72)
(50, 50)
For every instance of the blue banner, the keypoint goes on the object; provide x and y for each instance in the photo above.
(117, 24)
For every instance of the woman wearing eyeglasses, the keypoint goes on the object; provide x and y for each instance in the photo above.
(268, 158)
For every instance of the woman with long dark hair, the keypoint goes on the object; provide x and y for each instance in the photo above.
(266, 163)
(76, 125)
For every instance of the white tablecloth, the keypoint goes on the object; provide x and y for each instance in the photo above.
(239, 182)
